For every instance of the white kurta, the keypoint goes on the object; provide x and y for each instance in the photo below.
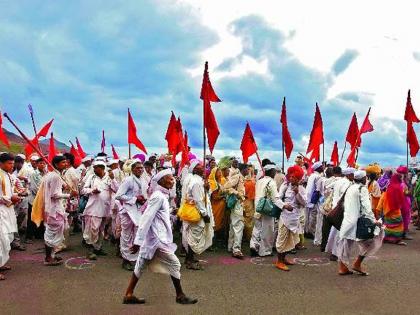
(291, 219)
(7, 212)
(99, 205)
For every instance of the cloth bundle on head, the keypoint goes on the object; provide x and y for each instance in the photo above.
(402, 169)
(99, 163)
(359, 174)
(225, 162)
(316, 165)
(348, 171)
(373, 169)
(295, 171)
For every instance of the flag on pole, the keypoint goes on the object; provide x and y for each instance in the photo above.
(209, 95)
(3, 137)
(77, 157)
(412, 139)
(410, 115)
(31, 111)
(367, 125)
(172, 134)
(51, 151)
(286, 138)
(45, 129)
(353, 132)
(132, 134)
(335, 159)
(317, 136)
(248, 144)
(114, 153)
(103, 143)
(80, 149)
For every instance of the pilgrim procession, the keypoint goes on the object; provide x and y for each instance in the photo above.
(315, 226)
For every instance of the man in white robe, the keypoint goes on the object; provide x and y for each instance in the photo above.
(356, 204)
(313, 188)
(262, 240)
(154, 241)
(55, 212)
(8, 224)
(99, 187)
(132, 194)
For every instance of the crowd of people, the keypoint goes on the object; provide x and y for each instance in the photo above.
(138, 204)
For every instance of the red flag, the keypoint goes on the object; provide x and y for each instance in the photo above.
(366, 126)
(28, 148)
(103, 143)
(209, 95)
(80, 149)
(114, 153)
(51, 151)
(132, 134)
(286, 138)
(334, 156)
(248, 145)
(317, 133)
(180, 136)
(77, 158)
(44, 130)
(3, 137)
(172, 135)
(410, 114)
(353, 132)
(412, 139)
(351, 160)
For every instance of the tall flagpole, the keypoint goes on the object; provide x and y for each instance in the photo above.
(31, 112)
(323, 153)
(129, 144)
(282, 162)
(342, 154)
(407, 154)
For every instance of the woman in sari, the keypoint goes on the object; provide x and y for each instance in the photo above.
(375, 193)
(390, 205)
(217, 198)
(249, 206)
(406, 209)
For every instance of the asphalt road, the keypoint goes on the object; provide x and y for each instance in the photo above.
(226, 286)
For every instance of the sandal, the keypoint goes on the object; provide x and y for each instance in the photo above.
(133, 300)
(54, 262)
(345, 273)
(238, 255)
(282, 266)
(360, 272)
(2, 277)
(5, 268)
(185, 300)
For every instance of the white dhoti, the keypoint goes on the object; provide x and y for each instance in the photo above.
(94, 228)
(54, 230)
(348, 248)
(262, 239)
(310, 219)
(286, 239)
(199, 236)
(162, 262)
(236, 229)
(5, 240)
(128, 233)
(332, 243)
(318, 228)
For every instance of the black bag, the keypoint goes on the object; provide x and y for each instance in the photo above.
(316, 194)
(336, 215)
(365, 227)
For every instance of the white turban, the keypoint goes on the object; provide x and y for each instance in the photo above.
(316, 165)
(86, 159)
(34, 157)
(193, 164)
(269, 167)
(349, 171)
(162, 174)
(99, 163)
(359, 174)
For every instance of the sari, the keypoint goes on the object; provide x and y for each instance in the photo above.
(217, 198)
(249, 206)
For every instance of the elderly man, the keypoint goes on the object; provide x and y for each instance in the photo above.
(154, 241)
(99, 187)
(313, 194)
(262, 240)
(55, 212)
(132, 194)
(8, 224)
(356, 204)
(199, 235)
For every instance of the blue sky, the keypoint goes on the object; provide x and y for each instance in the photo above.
(85, 62)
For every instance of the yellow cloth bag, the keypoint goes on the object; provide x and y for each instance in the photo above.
(38, 207)
(188, 212)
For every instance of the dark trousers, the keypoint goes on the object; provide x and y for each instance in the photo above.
(32, 230)
(326, 228)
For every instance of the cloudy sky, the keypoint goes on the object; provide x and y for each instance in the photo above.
(85, 62)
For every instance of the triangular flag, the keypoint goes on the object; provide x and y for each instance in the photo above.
(248, 145)
(51, 151)
(3, 137)
(351, 160)
(412, 139)
(132, 134)
(317, 134)
(77, 158)
(410, 114)
(334, 155)
(353, 132)
(114, 153)
(44, 130)
(29, 149)
(80, 149)
(286, 138)
(366, 126)
(172, 136)
(209, 95)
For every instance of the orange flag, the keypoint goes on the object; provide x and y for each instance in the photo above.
(132, 134)
(248, 144)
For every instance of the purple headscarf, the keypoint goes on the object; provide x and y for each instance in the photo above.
(383, 181)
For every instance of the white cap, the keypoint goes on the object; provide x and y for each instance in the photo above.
(162, 174)
(348, 171)
(21, 155)
(86, 159)
(316, 165)
(270, 167)
(34, 157)
(123, 158)
(193, 164)
(113, 161)
(359, 174)
(99, 163)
